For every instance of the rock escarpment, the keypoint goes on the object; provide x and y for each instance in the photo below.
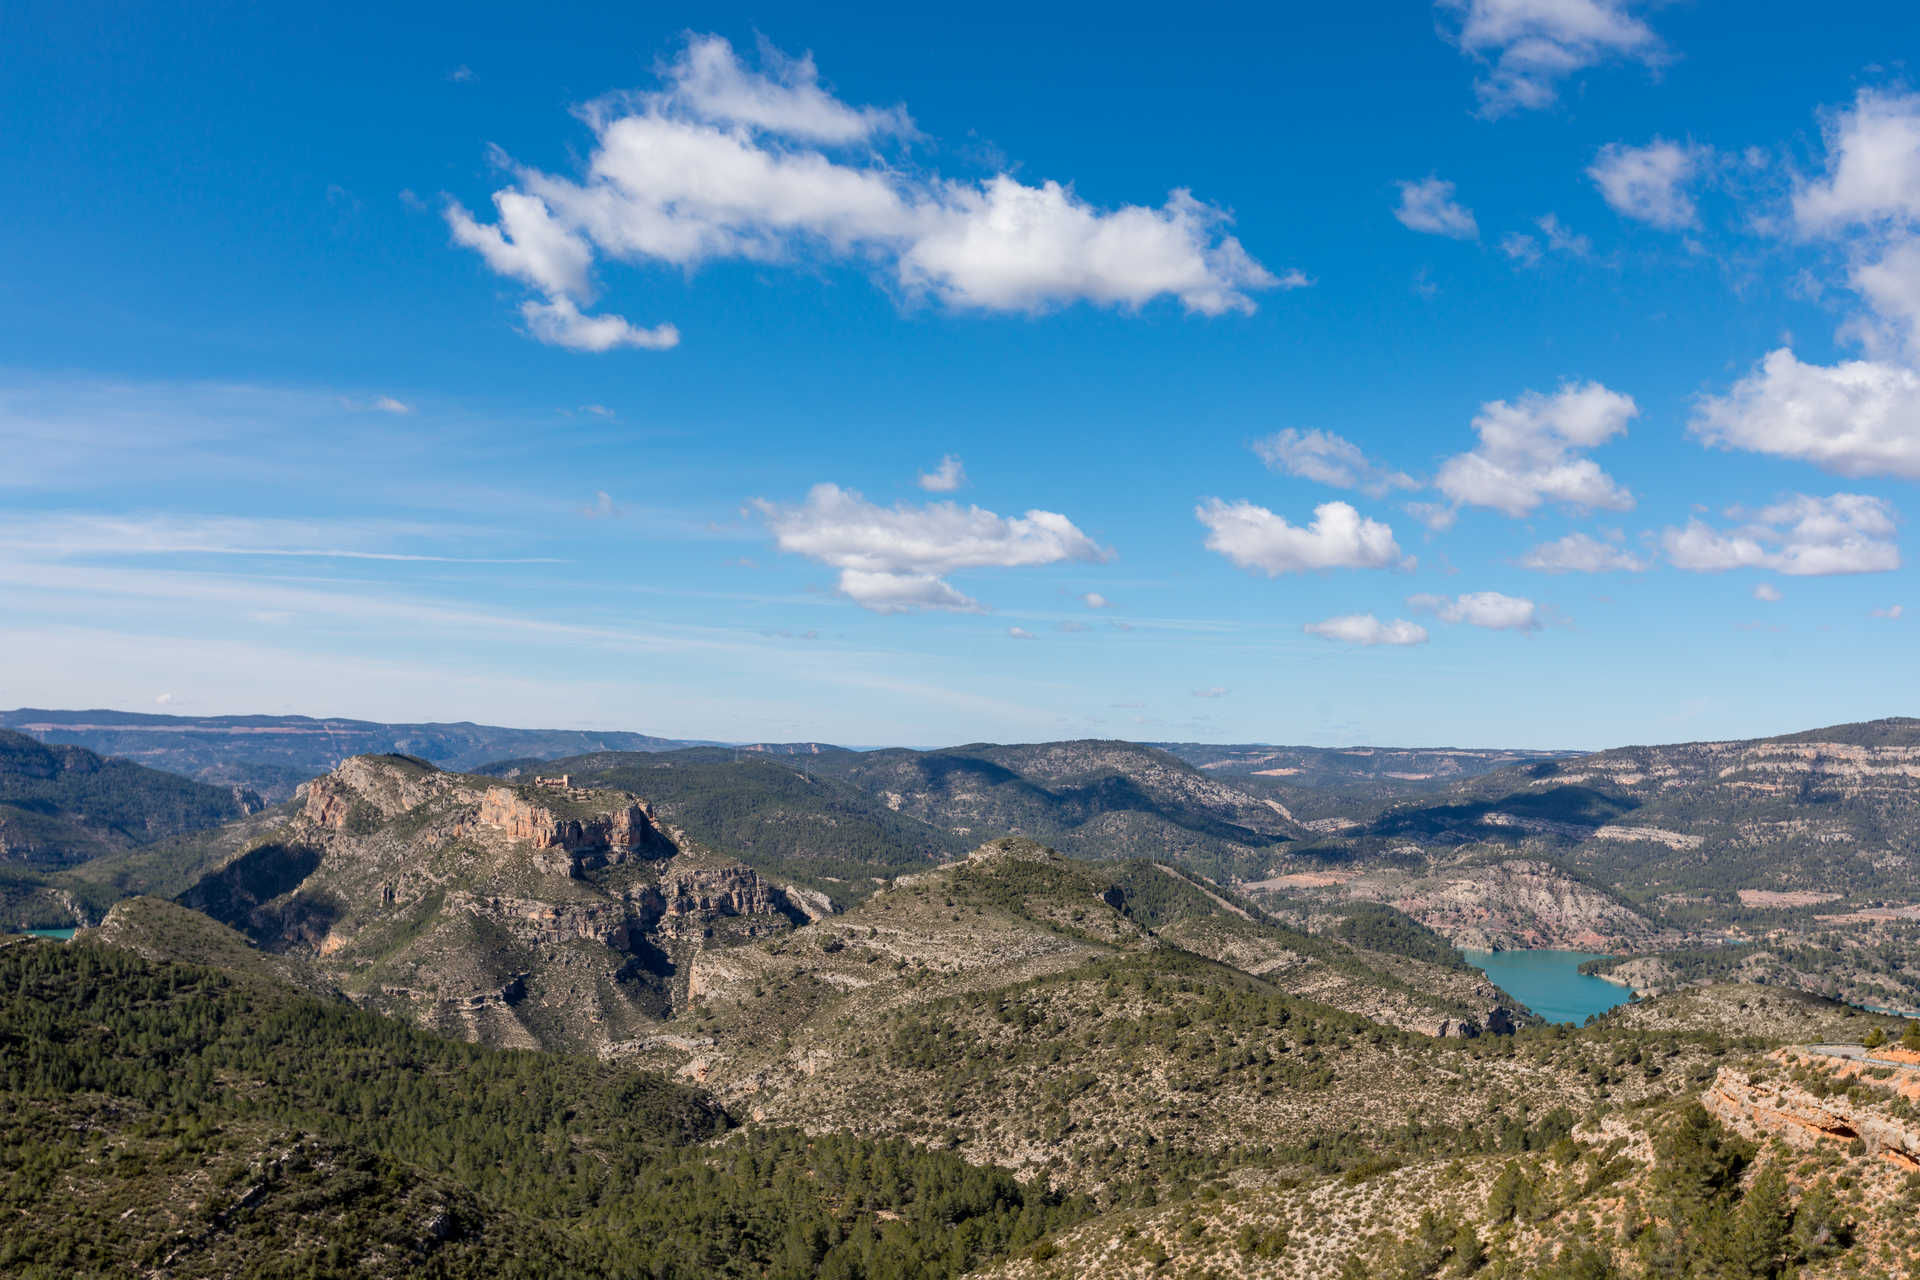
(1809, 1097)
(551, 916)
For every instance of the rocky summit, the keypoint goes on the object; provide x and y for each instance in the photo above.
(539, 914)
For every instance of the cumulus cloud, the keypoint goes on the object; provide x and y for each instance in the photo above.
(1580, 553)
(1489, 609)
(896, 559)
(1767, 592)
(1649, 183)
(1365, 629)
(1869, 199)
(946, 477)
(1528, 452)
(1529, 46)
(1873, 167)
(1328, 459)
(1094, 600)
(1339, 538)
(1428, 205)
(1800, 536)
(1856, 418)
(725, 162)
(1019, 633)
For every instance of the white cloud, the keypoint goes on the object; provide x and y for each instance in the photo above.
(1892, 611)
(946, 477)
(602, 507)
(387, 404)
(1526, 249)
(723, 162)
(709, 82)
(1217, 691)
(1428, 205)
(1856, 418)
(895, 559)
(1520, 247)
(1767, 592)
(163, 699)
(1649, 183)
(1526, 455)
(559, 323)
(1890, 283)
(1581, 553)
(1365, 629)
(1561, 238)
(1800, 536)
(1339, 538)
(1094, 600)
(1328, 459)
(1530, 46)
(1019, 633)
(1873, 167)
(1489, 609)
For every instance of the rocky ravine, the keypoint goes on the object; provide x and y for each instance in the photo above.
(557, 917)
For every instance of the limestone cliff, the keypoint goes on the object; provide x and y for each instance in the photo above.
(552, 916)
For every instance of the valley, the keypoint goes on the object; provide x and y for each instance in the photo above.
(1167, 1025)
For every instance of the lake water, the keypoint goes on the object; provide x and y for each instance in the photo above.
(1550, 982)
(63, 934)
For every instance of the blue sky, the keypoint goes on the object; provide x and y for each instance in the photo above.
(1495, 372)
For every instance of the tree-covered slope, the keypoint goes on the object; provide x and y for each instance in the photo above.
(158, 1118)
(62, 805)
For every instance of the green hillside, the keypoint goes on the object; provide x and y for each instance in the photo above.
(161, 1116)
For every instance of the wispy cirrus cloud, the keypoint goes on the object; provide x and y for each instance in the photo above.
(1328, 459)
(1582, 553)
(1365, 630)
(1492, 610)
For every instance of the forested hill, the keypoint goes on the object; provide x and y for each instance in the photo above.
(64, 805)
(157, 1118)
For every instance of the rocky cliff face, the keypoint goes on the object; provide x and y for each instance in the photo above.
(573, 843)
(514, 915)
(1808, 1098)
(1507, 905)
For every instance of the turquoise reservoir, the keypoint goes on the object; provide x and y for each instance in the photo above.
(64, 935)
(1550, 982)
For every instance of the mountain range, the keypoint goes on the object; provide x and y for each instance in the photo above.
(1040, 1010)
